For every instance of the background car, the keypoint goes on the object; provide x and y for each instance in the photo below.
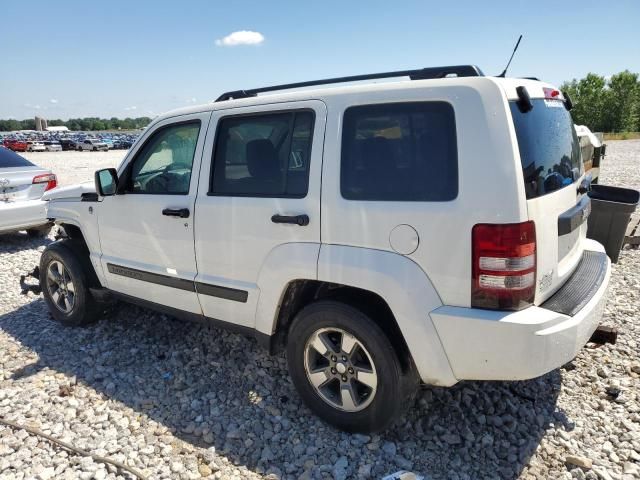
(52, 146)
(92, 144)
(16, 145)
(21, 187)
(34, 146)
(68, 144)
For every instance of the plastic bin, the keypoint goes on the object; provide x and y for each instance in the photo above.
(611, 208)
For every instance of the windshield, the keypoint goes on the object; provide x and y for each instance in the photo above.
(549, 147)
(9, 159)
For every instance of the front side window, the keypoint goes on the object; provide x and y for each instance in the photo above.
(163, 164)
(263, 155)
(399, 152)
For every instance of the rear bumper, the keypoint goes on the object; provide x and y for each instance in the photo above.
(22, 215)
(492, 345)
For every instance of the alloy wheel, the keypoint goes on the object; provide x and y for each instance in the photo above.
(340, 369)
(60, 286)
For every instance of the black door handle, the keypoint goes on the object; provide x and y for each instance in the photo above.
(176, 212)
(300, 220)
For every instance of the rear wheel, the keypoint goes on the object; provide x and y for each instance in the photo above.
(65, 280)
(346, 369)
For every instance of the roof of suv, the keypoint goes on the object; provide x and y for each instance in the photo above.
(534, 87)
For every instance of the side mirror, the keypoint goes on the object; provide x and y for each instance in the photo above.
(106, 181)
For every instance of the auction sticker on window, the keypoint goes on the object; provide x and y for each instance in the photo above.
(553, 103)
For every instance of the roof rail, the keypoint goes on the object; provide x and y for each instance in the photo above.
(419, 74)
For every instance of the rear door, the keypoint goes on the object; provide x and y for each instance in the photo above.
(261, 169)
(552, 171)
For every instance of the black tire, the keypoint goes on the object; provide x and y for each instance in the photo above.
(71, 255)
(395, 390)
(39, 232)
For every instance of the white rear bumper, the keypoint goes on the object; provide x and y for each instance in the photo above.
(493, 345)
(21, 215)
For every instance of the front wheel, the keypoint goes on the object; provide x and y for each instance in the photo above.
(65, 280)
(346, 369)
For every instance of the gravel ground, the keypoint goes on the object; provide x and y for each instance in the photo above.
(75, 167)
(186, 401)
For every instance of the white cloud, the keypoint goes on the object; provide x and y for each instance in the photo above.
(53, 100)
(35, 107)
(241, 37)
(131, 108)
(192, 100)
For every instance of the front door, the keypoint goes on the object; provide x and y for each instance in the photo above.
(259, 190)
(146, 230)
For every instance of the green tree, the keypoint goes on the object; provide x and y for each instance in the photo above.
(588, 97)
(621, 101)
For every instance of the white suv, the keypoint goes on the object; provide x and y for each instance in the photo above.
(429, 230)
(92, 144)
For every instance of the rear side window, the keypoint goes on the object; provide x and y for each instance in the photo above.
(265, 155)
(549, 147)
(399, 152)
(10, 159)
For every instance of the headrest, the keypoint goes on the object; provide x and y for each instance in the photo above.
(262, 159)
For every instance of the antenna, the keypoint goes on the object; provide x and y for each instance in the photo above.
(504, 72)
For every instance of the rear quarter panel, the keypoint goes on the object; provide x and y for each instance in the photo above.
(490, 187)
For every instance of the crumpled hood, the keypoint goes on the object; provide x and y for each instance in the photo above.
(70, 191)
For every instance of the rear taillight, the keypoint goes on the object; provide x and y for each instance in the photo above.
(504, 265)
(48, 178)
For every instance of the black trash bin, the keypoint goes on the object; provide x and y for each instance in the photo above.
(611, 208)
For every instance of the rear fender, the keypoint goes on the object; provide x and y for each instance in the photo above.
(408, 292)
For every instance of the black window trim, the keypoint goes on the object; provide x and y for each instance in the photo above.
(126, 174)
(211, 193)
(408, 102)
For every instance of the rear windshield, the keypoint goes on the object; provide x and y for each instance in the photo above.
(10, 159)
(549, 147)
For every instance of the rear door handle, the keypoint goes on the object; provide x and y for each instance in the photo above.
(300, 220)
(176, 212)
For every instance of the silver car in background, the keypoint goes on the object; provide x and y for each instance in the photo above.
(92, 144)
(53, 146)
(21, 187)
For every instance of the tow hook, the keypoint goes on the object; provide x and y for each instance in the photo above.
(35, 288)
(604, 335)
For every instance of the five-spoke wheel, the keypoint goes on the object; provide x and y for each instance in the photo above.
(341, 369)
(66, 278)
(60, 286)
(346, 369)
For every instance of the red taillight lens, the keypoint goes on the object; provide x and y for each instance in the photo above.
(48, 178)
(551, 93)
(504, 265)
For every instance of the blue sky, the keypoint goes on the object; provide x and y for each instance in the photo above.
(67, 58)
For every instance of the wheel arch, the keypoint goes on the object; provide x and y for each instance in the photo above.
(82, 248)
(391, 288)
(300, 293)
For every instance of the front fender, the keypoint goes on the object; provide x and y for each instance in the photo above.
(408, 292)
(84, 215)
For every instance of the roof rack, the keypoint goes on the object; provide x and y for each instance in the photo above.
(419, 74)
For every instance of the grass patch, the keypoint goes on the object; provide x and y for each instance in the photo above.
(622, 136)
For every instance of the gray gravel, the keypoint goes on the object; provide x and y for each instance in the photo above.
(186, 401)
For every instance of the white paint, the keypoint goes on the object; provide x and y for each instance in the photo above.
(231, 241)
